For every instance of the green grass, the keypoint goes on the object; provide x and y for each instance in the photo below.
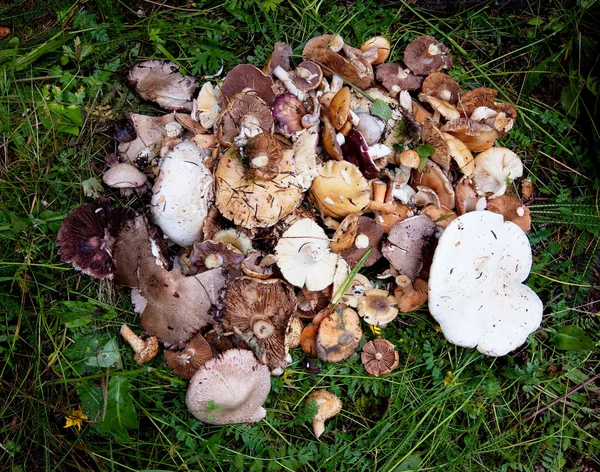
(446, 408)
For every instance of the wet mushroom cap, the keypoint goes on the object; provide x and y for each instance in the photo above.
(244, 77)
(379, 357)
(308, 76)
(425, 55)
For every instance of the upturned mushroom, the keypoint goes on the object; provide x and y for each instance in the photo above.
(368, 236)
(425, 55)
(229, 389)
(246, 115)
(383, 48)
(434, 178)
(475, 136)
(395, 78)
(494, 168)
(476, 290)
(511, 209)
(441, 86)
(209, 255)
(245, 77)
(379, 357)
(409, 295)
(186, 362)
(206, 106)
(258, 312)
(328, 405)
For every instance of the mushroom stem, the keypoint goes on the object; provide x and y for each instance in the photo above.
(283, 75)
(379, 191)
(262, 328)
(387, 208)
(145, 351)
(136, 343)
(405, 284)
(336, 84)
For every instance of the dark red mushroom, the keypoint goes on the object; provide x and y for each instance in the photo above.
(356, 151)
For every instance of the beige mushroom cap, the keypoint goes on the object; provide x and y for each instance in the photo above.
(339, 335)
(494, 167)
(229, 389)
(340, 189)
(461, 154)
(377, 307)
(251, 203)
(432, 135)
(383, 48)
(124, 175)
(328, 405)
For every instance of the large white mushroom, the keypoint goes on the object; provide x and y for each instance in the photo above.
(182, 194)
(476, 292)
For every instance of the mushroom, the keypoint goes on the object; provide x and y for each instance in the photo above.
(345, 234)
(160, 82)
(511, 209)
(466, 197)
(312, 302)
(234, 237)
(229, 389)
(263, 153)
(406, 242)
(145, 349)
(206, 106)
(339, 335)
(379, 357)
(383, 48)
(461, 154)
(246, 115)
(182, 194)
(494, 168)
(377, 307)
(308, 76)
(359, 285)
(209, 255)
(425, 55)
(408, 295)
(475, 136)
(87, 236)
(434, 178)
(339, 189)
(196, 353)
(440, 215)
(395, 78)
(305, 155)
(368, 236)
(258, 312)
(479, 97)
(440, 108)
(356, 151)
(370, 127)
(253, 203)
(288, 111)
(125, 176)
(258, 265)
(149, 135)
(441, 86)
(432, 135)
(476, 292)
(339, 108)
(303, 256)
(328, 405)
(329, 140)
(279, 57)
(244, 78)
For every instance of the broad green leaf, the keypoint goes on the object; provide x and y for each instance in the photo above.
(569, 99)
(381, 109)
(411, 463)
(107, 356)
(76, 314)
(573, 338)
(424, 151)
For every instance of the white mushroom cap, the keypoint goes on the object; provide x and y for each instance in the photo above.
(494, 167)
(182, 194)
(124, 175)
(229, 389)
(475, 284)
(303, 256)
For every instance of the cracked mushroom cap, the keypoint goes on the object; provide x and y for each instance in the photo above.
(245, 77)
(245, 114)
(124, 175)
(328, 51)
(395, 78)
(379, 357)
(196, 353)
(339, 335)
(476, 290)
(87, 236)
(377, 307)
(511, 209)
(328, 405)
(406, 243)
(253, 203)
(474, 135)
(432, 135)
(160, 82)
(258, 312)
(434, 178)
(494, 167)
(182, 194)
(441, 86)
(303, 256)
(425, 55)
(368, 236)
(340, 189)
(229, 389)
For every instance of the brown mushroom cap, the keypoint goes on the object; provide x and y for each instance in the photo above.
(244, 77)
(258, 312)
(258, 265)
(434, 178)
(340, 189)
(379, 357)
(352, 69)
(466, 196)
(310, 303)
(339, 108)
(425, 55)
(308, 76)
(410, 296)
(160, 82)
(394, 78)
(479, 97)
(264, 153)
(145, 349)
(441, 215)
(406, 243)
(279, 57)
(255, 204)
(87, 236)
(383, 48)
(368, 236)
(185, 363)
(511, 209)
(244, 110)
(441, 86)
(329, 141)
(209, 255)
(432, 135)
(328, 405)
(229, 389)
(377, 307)
(476, 136)
(339, 335)
(345, 234)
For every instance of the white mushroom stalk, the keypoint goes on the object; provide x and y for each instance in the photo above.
(476, 292)
(336, 84)
(285, 77)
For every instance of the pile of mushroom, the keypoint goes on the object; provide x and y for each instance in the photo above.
(270, 186)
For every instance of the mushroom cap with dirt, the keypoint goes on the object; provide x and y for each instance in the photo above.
(303, 256)
(182, 194)
(251, 202)
(328, 405)
(258, 312)
(229, 389)
(476, 290)
(160, 82)
(339, 335)
(379, 357)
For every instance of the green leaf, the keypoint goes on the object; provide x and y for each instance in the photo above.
(424, 151)
(573, 338)
(107, 356)
(411, 463)
(119, 414)
(569, 99)
(381, 109)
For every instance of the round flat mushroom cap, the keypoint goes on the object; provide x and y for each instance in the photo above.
(379, 357)
(395, 78)
(476, 292)
(244, 77)
(425, 55)
(339, 335)
(245, 110)
(229, 389)
(124, 175)
(442, 86)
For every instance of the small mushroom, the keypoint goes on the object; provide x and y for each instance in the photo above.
(288, 111)
(395, 78)
(229, 389)
(379, 357)
(377, 307)
(409, 295)
(206, 106)
(328, 405)
(425, 55)
(329, 140)
(245, 77)
(434, 178)
(370, 127)
(494, 168)
(345, 234)
(511, 209)
(124, 175)
(308, 76)
(258, 265)
(461, 154)
(466, 197)
(432, 135)
(234, 237)
(475, 136)
(368, 236)
(279, 57)
(196, 353)
(149, 135)
(209, 255)
(339, 335)
(479, 97)
(383, 48)
(441, 86)
(246, 115)
(145, 349)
